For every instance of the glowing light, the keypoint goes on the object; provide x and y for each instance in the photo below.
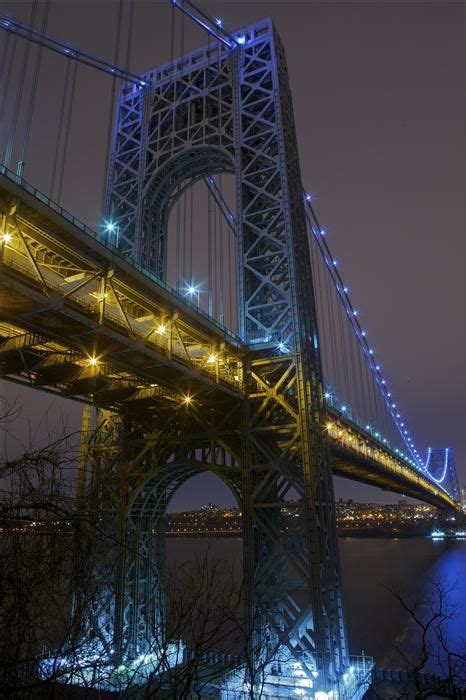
(218, 21)
(93, 361)
(192, 289)
(110, 226)
(327, 395)
(329, 426)
(363, 333)
(371, 352)
(187, 400)
(334, 262)
(308, 197)
(282, 347)
(343, 408)
(322, 233)
(355, 313)
(161, 329)
(212, 358)
(6, 238)
(241, 39)
(377, 367)
(437, 534)
(346, 290)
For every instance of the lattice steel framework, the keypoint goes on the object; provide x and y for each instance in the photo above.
(221, 110)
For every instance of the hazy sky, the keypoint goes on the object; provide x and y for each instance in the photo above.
(378, 90)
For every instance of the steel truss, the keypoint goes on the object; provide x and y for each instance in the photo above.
(221, 110)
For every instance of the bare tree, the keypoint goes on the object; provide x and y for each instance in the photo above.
(430, 648)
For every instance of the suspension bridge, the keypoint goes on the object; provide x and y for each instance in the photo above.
(205, 327)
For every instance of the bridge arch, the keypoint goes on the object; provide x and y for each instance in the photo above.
(144, 590)
(166, 186)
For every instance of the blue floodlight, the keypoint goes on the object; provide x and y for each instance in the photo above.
(218, 21)
(282, 347)
(241, 39)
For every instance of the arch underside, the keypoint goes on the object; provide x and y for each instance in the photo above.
(145, 620)
(166, 187)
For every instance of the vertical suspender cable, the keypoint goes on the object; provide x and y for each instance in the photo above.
(60, 128)
(33, 91)
(220, 233)
(116, 52)
(209, 251)
(178, 244)
(183, 269)
(191, 233)
(130, 35)
(66, 139)
(6, 73)
(233, 323)
(19, 93)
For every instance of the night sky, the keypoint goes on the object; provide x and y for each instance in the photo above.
(378, 90)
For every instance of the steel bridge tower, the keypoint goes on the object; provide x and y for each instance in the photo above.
(223, 110)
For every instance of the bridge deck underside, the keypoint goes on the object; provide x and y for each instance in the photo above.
(77, 320)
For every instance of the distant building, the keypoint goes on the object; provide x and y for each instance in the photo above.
(463, 497)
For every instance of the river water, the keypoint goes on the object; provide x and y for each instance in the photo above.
(371, 569)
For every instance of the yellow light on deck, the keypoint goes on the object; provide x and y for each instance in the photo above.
(187, 400)
(212, 358)
(93, 361)
(329, 426)
(6, 238)
(161, 329)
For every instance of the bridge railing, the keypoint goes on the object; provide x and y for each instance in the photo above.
(111, 245)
